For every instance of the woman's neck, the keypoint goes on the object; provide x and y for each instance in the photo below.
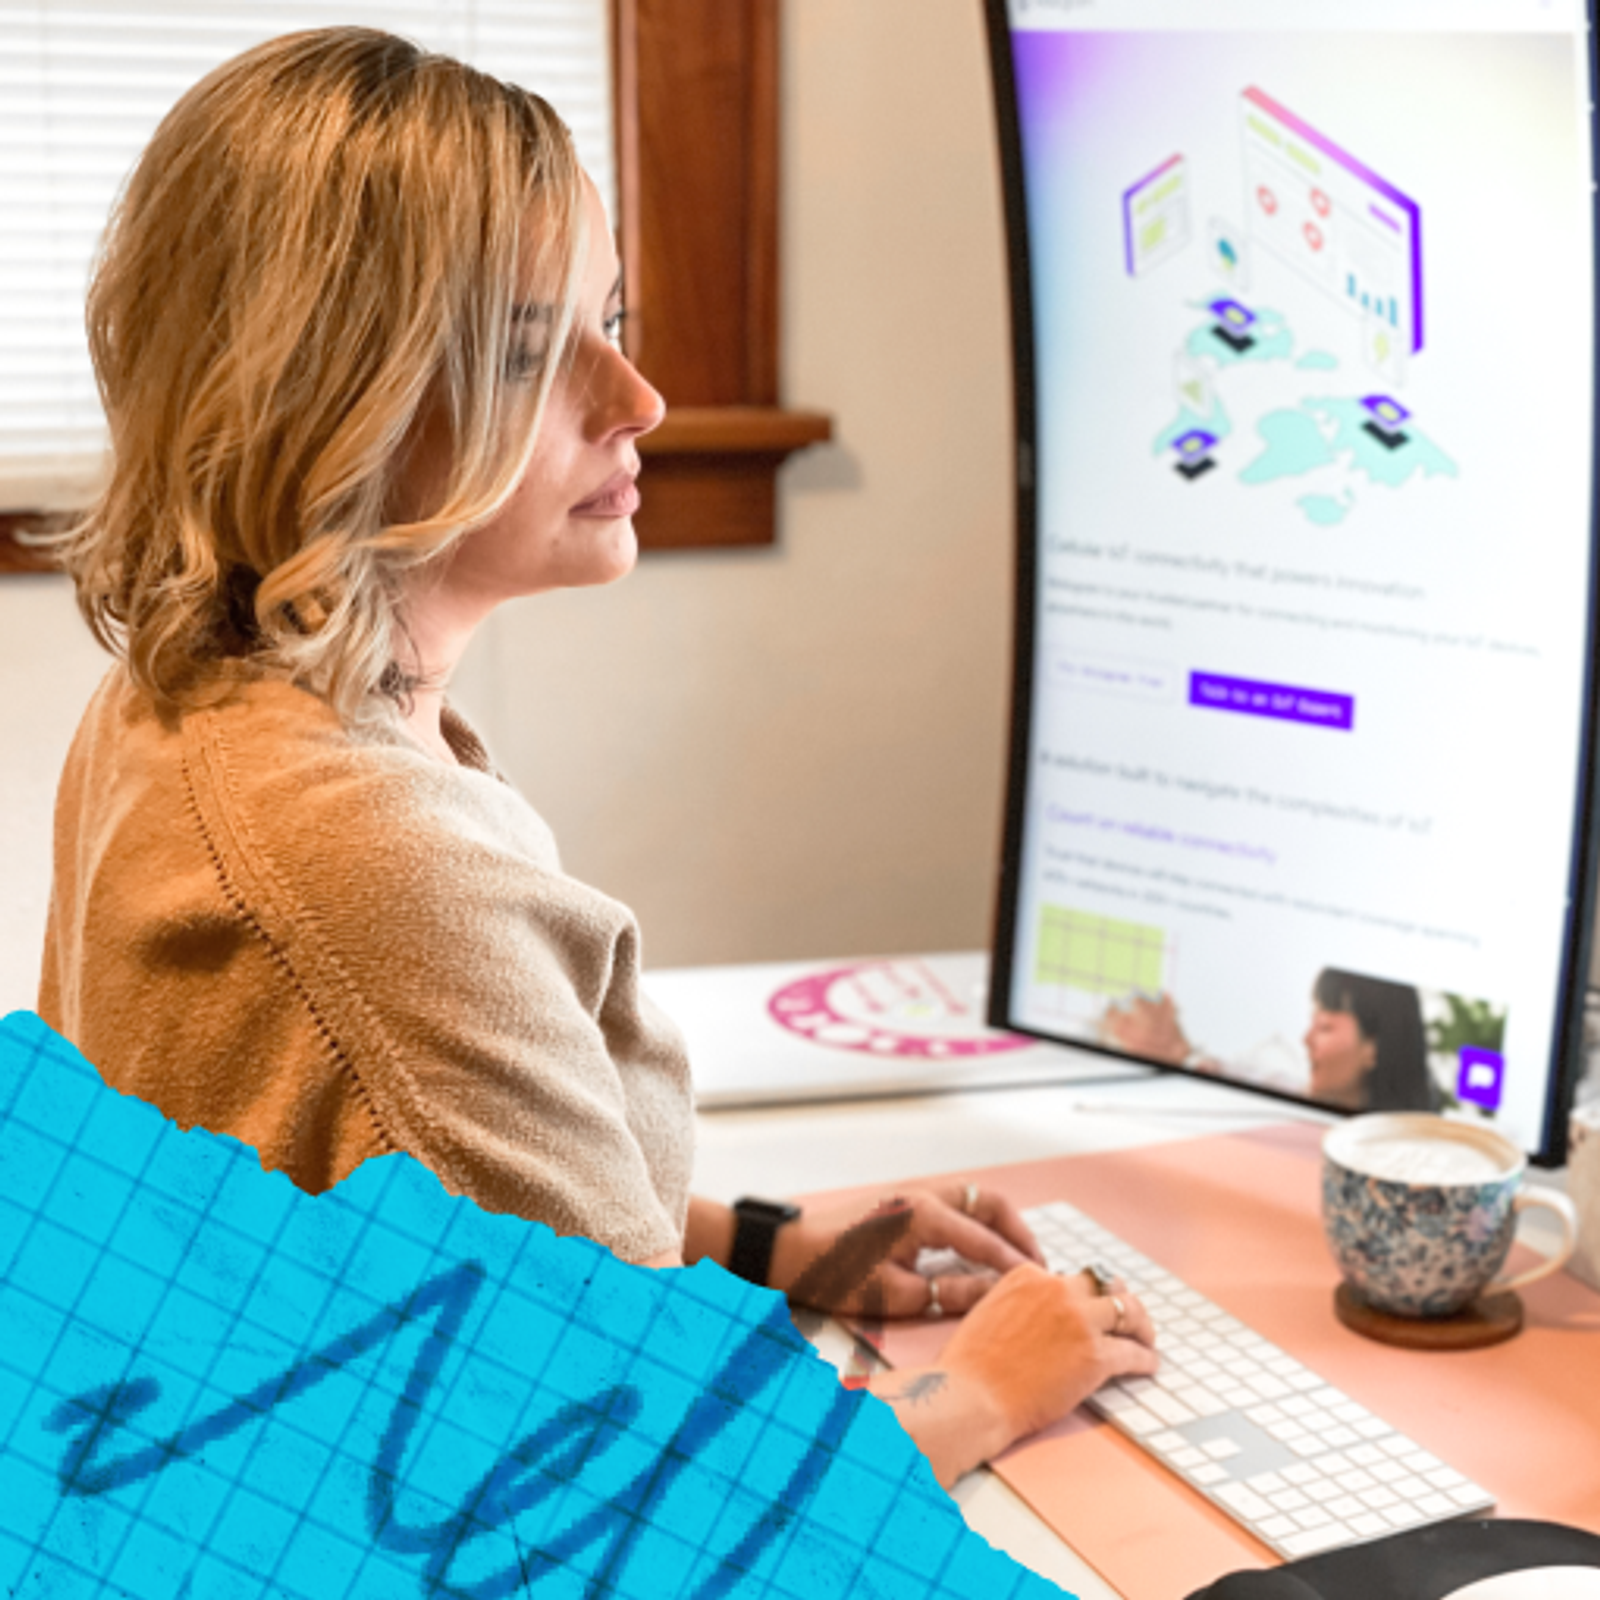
(438, 626)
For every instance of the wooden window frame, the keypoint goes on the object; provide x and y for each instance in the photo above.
(696, 96)
(696, 100)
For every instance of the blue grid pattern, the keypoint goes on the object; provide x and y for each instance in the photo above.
(213, 1384)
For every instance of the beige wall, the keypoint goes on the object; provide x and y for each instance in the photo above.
(48, 668)
(799, 751)
(786, 752)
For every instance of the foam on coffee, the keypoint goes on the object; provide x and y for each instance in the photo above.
(1410, 1160)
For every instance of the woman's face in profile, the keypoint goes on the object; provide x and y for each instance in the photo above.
(569, 522)
(1341, 1057)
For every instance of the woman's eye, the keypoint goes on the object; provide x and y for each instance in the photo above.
(523, 361)
(612, 326)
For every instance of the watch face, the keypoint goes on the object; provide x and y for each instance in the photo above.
(767, 1210)
(927, 1007)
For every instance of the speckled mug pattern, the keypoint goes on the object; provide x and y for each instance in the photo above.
(1417, 1250)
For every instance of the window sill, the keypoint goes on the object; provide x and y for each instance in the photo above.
(710, 475)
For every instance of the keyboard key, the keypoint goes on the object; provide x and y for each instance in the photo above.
(1208, 1474)
(1368, 1524)
(1313, 1517)
(1168, 1409)
(1268, 1387)
(1268, 1483)
(1137, 1420)
(1345, 1507)
(1167, 1442)
(1246, 1502)
(1276, 1527)
(1310, 1540)
(1221, 1449)
(1189, 1457)
(1402, 1516)
(1290, 1500)
(1300, 1473)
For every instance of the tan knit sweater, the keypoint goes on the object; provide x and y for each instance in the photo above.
(331, 945)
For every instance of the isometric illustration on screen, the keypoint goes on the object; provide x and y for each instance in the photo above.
(1250, 392)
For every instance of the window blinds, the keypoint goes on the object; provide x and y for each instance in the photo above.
(82, 87)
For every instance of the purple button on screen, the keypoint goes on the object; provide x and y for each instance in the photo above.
(1251, 698)
(1480, 1078)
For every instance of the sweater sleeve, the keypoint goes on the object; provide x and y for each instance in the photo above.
(484, 1005)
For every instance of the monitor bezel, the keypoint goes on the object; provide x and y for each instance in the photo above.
(1567, 1041)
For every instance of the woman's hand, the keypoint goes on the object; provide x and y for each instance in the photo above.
(990, 1234)
(1035, 1348)
(1042, 1344)
(1146, 1028)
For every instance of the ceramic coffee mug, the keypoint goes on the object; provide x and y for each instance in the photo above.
(1420, 1210)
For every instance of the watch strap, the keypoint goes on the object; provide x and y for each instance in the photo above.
(755, 1228)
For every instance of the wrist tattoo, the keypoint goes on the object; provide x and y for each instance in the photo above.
(924, 1386)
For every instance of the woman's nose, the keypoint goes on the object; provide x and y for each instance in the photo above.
(625, 400)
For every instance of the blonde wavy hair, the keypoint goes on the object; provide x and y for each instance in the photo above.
(327, 239)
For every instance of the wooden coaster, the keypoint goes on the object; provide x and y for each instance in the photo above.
(1490, 1319)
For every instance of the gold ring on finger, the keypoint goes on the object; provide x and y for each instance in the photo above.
(1101, 1276)
(1121, 1309)
(969, 1200)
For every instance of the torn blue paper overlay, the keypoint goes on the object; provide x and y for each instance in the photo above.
(213, 1384)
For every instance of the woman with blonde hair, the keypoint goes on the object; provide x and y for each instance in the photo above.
(355, 327)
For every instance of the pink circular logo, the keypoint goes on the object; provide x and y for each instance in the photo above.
(1313, 236)
(889, 1008)
(1268, 200)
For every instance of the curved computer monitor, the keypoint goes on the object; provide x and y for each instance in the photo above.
(1305, 347)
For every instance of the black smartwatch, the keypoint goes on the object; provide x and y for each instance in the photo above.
(755, 1226)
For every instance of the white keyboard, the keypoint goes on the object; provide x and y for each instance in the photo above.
(1293, 1460)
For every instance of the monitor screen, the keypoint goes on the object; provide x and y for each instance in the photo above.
(1304, 310)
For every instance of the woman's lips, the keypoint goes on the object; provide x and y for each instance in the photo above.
(618, 496)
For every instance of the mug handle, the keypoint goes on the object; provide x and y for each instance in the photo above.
(1553, 1200)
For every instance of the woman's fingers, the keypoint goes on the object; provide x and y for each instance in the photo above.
(998, 1215)
(1122, 1314)
(959, 1292)
(906, 1293)
(1120, 1311)
(942, 1226)
(1128, 1358)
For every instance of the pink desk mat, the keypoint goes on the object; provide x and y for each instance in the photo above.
(1237, 1217)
